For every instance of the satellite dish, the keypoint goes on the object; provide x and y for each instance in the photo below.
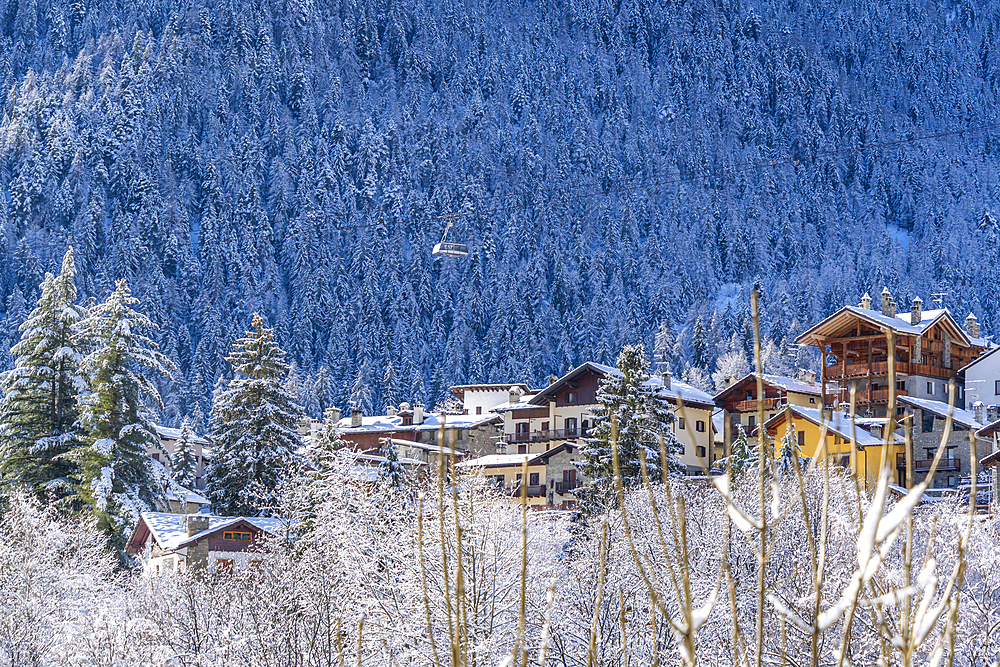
(447, 248)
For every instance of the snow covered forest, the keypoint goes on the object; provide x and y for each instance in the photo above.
(614, 160)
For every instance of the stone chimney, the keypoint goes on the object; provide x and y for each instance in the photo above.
(553, 379)
(197, 554)
(355, 417)
(888, 307)
(977, 409)
(390, 411)
(972, 328)
(916, 311)
(418, 413)
(332, 415)
(866, 302)
(514, 395)
(808, 376)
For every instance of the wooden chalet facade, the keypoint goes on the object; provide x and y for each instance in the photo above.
(883, 355)
(742, 410)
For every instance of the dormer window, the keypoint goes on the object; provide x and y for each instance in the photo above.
(407, 421)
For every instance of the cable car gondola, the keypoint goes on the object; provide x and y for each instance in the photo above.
(448, 248)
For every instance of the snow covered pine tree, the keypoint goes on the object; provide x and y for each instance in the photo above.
(184, 463)
(634, 402)
(256, 443)
(118, 479)
(39, 407)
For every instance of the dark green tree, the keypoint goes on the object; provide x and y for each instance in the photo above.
(254, 427)
(184, 461)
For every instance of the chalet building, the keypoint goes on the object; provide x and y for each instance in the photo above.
(168, 444)
(563, 412)
(741, 409)
(991, 434)
(929, 348)
(473, 433)
(927, 429)
(856, 445)
(553, 475)
(478, 399)
(220, 544)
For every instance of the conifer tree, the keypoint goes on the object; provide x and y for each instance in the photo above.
(790, 450)
(38, 411)
(630, 402)
(118, 479)
(254, 427)
(391, 470)
(184, 462)
(743, 456)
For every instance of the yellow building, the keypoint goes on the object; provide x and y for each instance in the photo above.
(552, 474)
(854, 445)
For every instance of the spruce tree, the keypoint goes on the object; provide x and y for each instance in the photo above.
(630, 402)
(254, 427)
(391, 470)
(39, 407)
(118, 480)
(184, 462)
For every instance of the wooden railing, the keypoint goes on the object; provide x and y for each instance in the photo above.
(751, 406)
(924, 465)
(542, 436)
(534, 490)
(566, 487)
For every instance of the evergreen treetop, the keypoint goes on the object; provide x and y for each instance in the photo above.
(184, 461)
(254, 427)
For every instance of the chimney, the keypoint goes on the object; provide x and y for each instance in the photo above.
(888, 307)
(666, 379)
(866, 302)
(808, 376)
(390, 411)
(972, 327)
(553, 379)
(332, 415)
(355, 417)
(197, 554)
(514, 395)
(418, 413)
(917, 311)
(978, 409)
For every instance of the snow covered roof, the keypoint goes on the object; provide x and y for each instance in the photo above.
(167, 433)
(960, 416)
(460, 389)
(429, 447)
(901, 323)
(782, 382)
(190, 497)
(982, 356)
(432, 421)
(839, 424)
(375, 458)
(524, 404)
(170, 530)
(495, 461)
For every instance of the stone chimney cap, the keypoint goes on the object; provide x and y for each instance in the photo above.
(885, 290)
(917, 299)
(971, 317)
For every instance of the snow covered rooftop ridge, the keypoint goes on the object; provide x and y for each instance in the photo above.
(495, 461)
(190, 497)
(431, 422)
(780, 381)
(962, 417)
(167, 433)
(838, 424)
(170, 530)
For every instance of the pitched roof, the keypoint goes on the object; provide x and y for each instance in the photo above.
(170, 530)
(989, 429)
(982, 356)
(777, 381)
(432, 421)
(901, 324)
(495, 461)
(839, 424)
(963, 418)
(167, 433)
(676, 391)
(189, 496)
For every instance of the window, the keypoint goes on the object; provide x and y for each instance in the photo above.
(699, 426)
(239, 537)
(751, 422)
(996, 388)
(479, 409)
(701, 451)
(571, 397)
(533, 479)
(522, 449)
(930, 387)
(680, 423)
(812, 399)
(901, 385)
(927, 423)
(802, 438)
(584, 425)
(495, 481)
(570, 426)
(545, 426)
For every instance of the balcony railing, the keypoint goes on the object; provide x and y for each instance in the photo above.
(924, 465)
(751, 405)
(542, 436)
(566, 487)
(882, 368)
(534, 490)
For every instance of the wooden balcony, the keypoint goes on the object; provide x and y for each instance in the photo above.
(566, 487)
(849, 371)
(924, 465)
(751, 406)
(542, 436)
(534, 490)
